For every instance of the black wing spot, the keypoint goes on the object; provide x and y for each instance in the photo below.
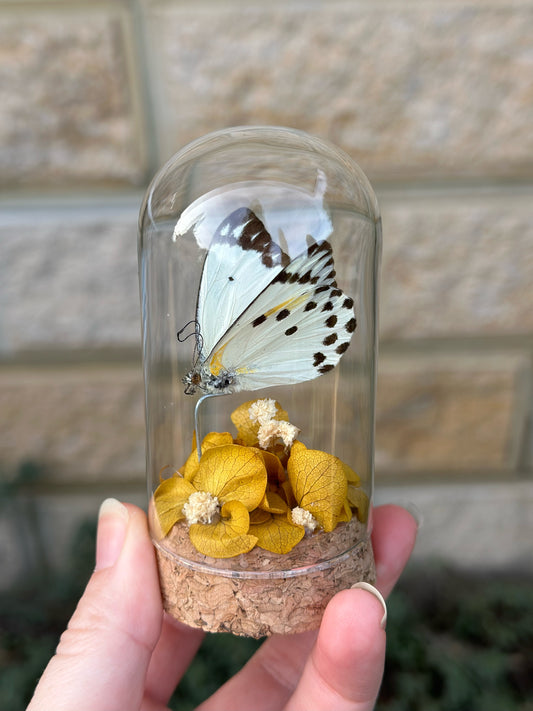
(259, 320)
(291, 330)
(282, 277)
(351, 325)
(231, 279)
(331, 321)
(244, 228)
(318, 358)
(320, 289)
(328, 306)
(329, 340)
(254, 236)
(282, 314)
(342, 348)
(335, 292)
(326, 368)
(313, 248)
(348, 302)
(310, 305)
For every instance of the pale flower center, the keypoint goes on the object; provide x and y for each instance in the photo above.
(270, 431)
(262, 410)
(201, 507)
(302, 517)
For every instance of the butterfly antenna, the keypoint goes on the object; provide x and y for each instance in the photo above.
(182, 337)
(198, 340)
(198, 345)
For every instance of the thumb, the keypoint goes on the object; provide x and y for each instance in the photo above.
(102, 657)
(346, 665)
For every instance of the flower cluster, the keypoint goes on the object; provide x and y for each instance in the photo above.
(261, 488)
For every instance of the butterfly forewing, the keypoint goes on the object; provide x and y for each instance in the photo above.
(242, 260)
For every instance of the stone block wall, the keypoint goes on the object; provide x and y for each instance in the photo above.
(433, 100)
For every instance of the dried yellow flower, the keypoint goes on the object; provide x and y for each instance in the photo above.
(278, 535)
(226, 538)
(318, 482)
(232, 476)
(169, 499)
(246, 427)
(232, 473)
(264, 479)
(212, 439)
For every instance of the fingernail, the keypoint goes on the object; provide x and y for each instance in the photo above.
(371, 589)
(416, 513)
(112, 524)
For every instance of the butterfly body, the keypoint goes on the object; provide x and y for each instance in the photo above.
(263, 319)
(201, 377)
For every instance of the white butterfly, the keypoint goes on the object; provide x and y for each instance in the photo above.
(263, 319)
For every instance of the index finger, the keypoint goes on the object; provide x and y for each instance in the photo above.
(393, 540)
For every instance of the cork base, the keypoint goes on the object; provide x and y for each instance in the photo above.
(262, 593)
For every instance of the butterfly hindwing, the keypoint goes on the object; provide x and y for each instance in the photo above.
(296, 329)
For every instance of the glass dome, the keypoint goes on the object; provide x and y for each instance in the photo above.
(259, 253)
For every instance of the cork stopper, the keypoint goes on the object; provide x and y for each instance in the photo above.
(262, 593)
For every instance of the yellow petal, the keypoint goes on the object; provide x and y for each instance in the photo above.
(169, 499)
(359, 501)
(232, 473)
(278, 535)
(246, 429)
(351, 476)
(273, 503)
(259, 516)
(318, 482)
(281, 452)
(212, 439)
(216, 439)
(190, 467)
(235, 517)
(275, 470)
(226, 538)
(346, 513)
(288, 494)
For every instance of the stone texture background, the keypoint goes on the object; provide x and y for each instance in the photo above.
(433, 100)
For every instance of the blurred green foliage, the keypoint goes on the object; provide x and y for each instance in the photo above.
(33, 616)
(459, 643)
(455, 642)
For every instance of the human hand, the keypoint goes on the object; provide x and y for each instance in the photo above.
(121, 653)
